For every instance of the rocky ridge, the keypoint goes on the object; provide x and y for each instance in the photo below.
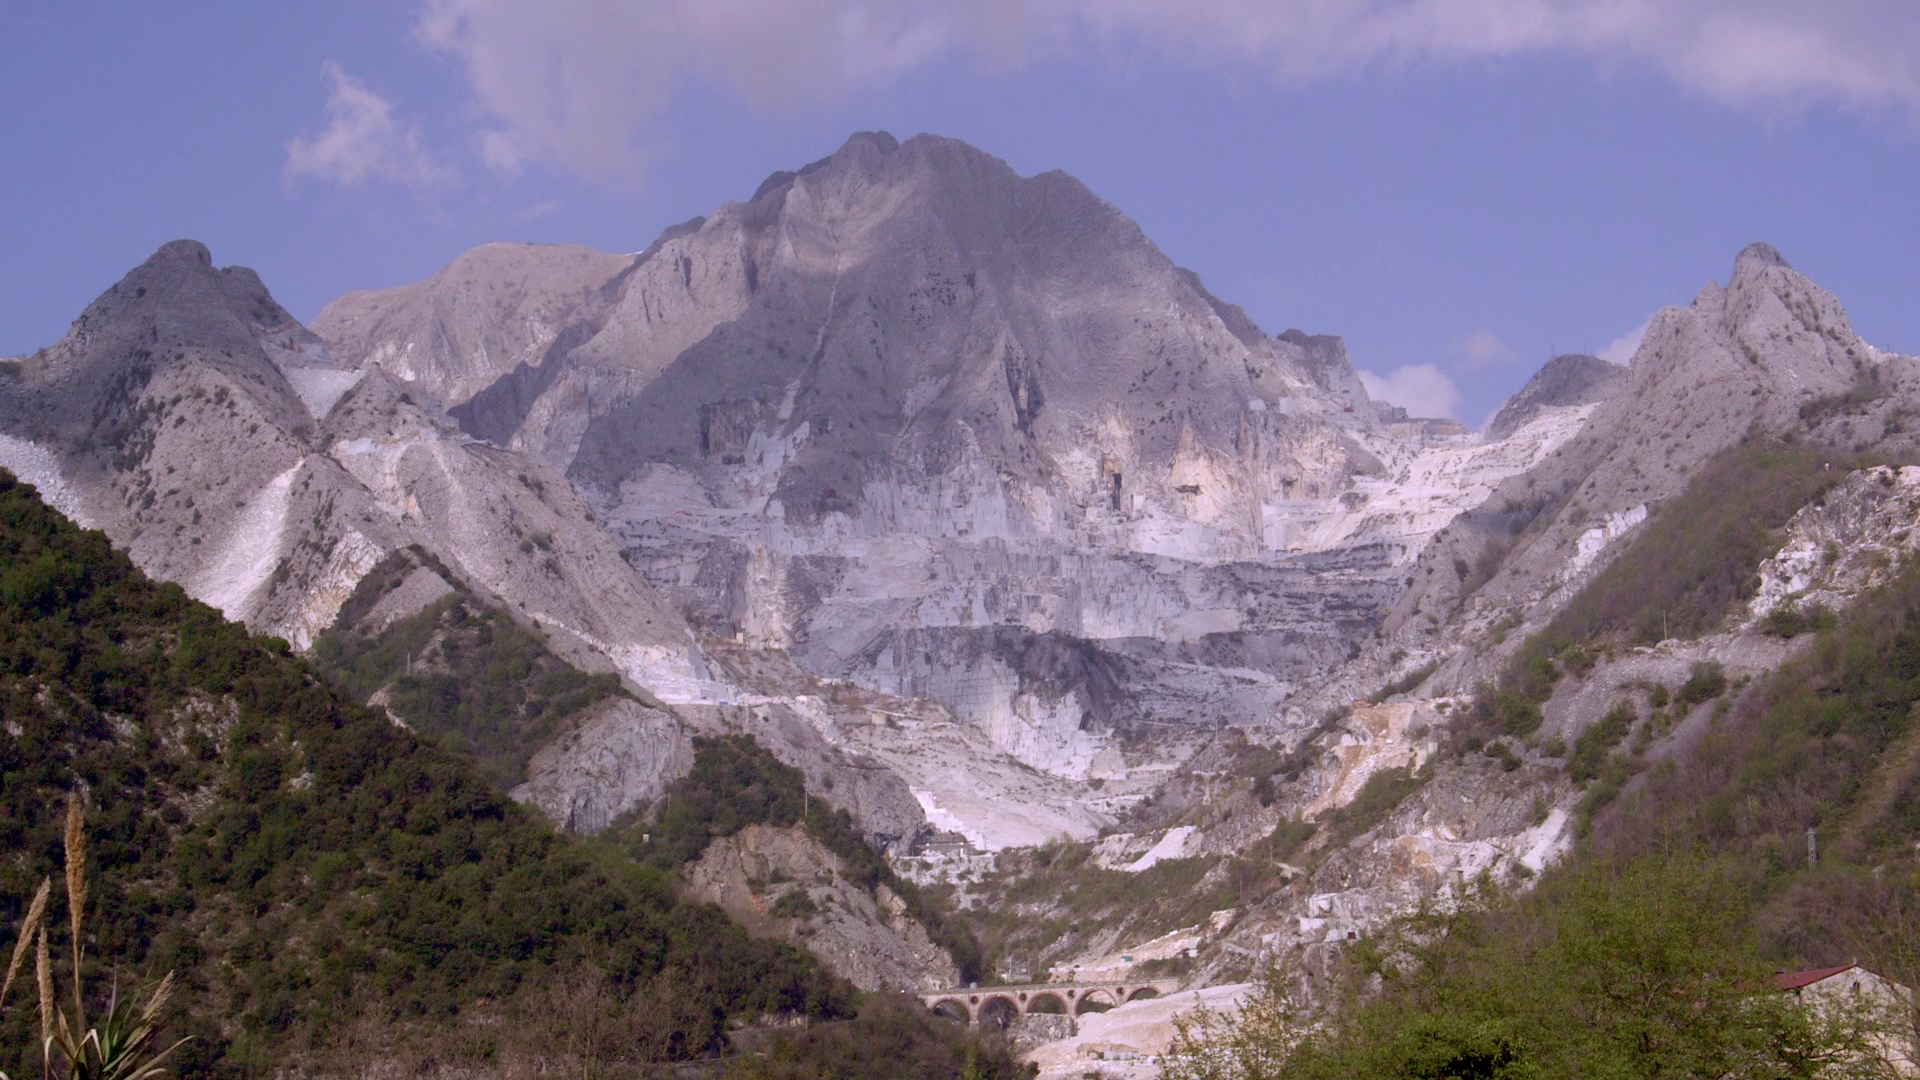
(947, 433)
(780, 882)
(1769, 357)
(950, 488)
(226, 447)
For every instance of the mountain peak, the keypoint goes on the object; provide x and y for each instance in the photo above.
(1759, 254)
(175, 298)
(880, 141)
(184, 251)
(1570, 379)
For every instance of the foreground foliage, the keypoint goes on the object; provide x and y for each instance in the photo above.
(1607, 970)
(298, 860)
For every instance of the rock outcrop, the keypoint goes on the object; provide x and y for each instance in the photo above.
(781, 882)
(1571, 379)
(1747, 357)
(490, 311)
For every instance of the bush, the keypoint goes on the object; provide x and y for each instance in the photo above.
(1708, 680)
(1502, 753)
(1601, 736)
(1377, 798)
(1407, 683)
(1789, 620)
(1508, 711)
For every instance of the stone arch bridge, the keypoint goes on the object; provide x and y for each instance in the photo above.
(1001, 1004)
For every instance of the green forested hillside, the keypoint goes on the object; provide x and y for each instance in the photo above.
(325, 884)
(735, 782)
(461, 672)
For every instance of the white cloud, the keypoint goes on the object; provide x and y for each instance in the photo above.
(1621, 349)
(1481, 350)
(1858, 52)
(581, 85)
(362, 141)
(1421, 389)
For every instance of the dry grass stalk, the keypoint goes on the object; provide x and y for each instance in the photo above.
(29, 929)
(119, 1047)
(76, 884)
(43, 975)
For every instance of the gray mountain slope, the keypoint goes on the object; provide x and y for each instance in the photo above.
(490, 310)
(220, 442)
(171, 411)
(1571, 379)
(921, 303)
(952, 432)
(1738, 359)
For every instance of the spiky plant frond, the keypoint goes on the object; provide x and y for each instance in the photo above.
(121, 1047)
(43, 976)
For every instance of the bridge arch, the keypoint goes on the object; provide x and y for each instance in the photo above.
(997, 1010)
(1001, 1005)
(1096, 1000)
(1048, 1003)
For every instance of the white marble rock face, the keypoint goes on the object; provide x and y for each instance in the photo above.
(951, 489)
(952, 433)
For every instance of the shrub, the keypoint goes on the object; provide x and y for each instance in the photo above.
(1648, 968)
(1590, 749)
(1708, 680)
(1407, 683)
(1377, 798)
(1789, 619)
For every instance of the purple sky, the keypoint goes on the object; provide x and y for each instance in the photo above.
(1459, 187)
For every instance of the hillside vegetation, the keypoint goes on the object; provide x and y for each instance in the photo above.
(461, 672)
(1635, 969)
(1778, 832)
(1677, 577)
(735, 782)
(329, 888)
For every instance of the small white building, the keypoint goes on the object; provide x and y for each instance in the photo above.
(1850, 985)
